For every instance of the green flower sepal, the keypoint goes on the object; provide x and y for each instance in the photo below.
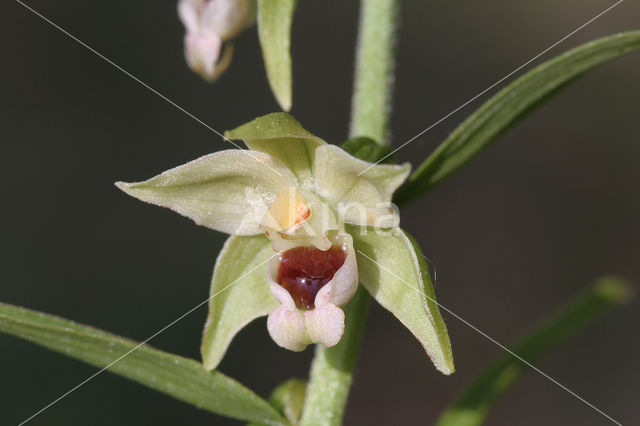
(308, 221)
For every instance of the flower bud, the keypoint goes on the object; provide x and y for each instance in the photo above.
(209, 23)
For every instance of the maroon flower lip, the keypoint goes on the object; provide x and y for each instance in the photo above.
(305, 270)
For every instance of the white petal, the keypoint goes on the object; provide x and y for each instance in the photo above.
(287, 328)
(344, 283)
(189, 13)
(325, 324)
(202, 50)
(277, 290)
(294, 329)
(227, 18)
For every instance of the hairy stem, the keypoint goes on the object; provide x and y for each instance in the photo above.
(332, 368)
(371, 102)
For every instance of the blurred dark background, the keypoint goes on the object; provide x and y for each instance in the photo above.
(550, 207)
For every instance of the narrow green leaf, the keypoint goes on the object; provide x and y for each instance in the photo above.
(393, 270)
(510, 104)
(274, 30)
(283, 137)
(239, 294)
(474, 404)
(179, 377)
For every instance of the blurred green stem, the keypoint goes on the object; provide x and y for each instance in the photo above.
(332, 368)
(473, 405)
(372, 88)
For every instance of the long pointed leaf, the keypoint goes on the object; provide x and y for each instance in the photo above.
(274, 29)
(179, 377)
(473, 406)
(510, 104)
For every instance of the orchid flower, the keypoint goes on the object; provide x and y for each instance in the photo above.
(210, 23)
(308, 221)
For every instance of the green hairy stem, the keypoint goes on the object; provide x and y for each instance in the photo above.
(332, 368)
(371, 102)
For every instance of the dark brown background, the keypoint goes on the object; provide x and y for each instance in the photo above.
(550, 207)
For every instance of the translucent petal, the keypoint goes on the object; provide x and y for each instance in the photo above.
(359, 191)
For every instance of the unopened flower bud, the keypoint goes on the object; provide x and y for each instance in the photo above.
(210, 23)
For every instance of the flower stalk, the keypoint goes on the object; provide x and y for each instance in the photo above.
(332, 368)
